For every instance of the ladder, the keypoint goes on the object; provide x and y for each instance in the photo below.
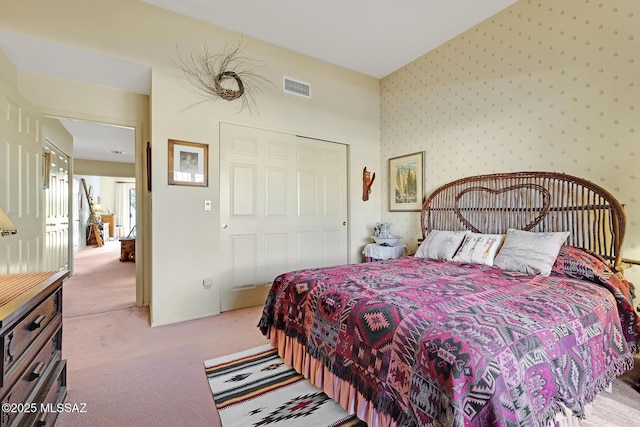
(94, 227)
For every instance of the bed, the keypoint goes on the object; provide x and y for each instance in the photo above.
(513, 311)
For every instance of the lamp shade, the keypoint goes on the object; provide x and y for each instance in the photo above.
(6, 226)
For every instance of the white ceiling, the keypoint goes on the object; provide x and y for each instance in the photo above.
(373, 37)
(94, 141)
(91, 141)
(56, 59)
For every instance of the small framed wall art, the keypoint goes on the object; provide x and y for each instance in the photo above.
(406, 182)
(188, 163)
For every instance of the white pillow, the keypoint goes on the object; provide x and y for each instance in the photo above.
(529, 252)
(479, 248)
(440, 244)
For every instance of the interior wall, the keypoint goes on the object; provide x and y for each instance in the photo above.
(540, 86)
(344, 108)
(99, 168)
(8, 71)
(58, 135)
(108, 194)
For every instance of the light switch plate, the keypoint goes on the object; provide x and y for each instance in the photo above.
(207, 205)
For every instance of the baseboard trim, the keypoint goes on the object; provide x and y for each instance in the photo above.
(171, 321)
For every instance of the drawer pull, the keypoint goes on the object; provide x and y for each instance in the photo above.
(42, 421)
(37, 322)
(37, 371)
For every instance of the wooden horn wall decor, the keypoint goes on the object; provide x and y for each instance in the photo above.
(367, 182)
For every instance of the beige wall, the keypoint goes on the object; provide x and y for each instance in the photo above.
(95, 167)
(540, 86)
(58, 135)
(344, 108)
(8, 71)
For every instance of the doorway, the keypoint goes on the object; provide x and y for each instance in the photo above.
(101, 282)
(105, 156)
(56, 201)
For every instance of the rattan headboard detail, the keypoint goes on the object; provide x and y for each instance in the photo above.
(532, 201)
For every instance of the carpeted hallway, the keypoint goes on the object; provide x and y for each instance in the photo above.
(128, 373)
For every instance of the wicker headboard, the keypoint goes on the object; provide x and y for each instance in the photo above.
(532, 201)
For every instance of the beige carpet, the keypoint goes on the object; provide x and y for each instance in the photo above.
(106, 283)
(621, 407)
(607, 412)
(128, 373)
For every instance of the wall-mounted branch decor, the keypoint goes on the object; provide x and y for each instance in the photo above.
(227, 75)
(367, 182)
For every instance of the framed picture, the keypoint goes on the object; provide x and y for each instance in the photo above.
(406, 182)
(188, 163)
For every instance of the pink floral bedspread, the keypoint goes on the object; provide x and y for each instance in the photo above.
(433, 342)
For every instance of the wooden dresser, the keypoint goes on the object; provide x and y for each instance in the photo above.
(33, 380)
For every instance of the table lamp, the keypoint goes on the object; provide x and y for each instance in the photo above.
(6, 226)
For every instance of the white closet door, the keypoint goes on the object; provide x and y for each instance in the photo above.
(56, 236)
(283, 206)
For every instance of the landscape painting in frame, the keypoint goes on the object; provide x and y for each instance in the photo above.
(405, 182)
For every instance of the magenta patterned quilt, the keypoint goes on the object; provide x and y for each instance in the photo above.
(432, 342)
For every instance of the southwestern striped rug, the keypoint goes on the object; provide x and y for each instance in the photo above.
(256, 388)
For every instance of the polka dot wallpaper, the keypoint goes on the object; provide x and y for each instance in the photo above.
(542, 85)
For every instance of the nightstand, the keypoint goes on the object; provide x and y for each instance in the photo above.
(374, 252)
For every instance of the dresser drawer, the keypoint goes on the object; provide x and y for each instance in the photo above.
(51, 392)
(17, 339)
(28, 378)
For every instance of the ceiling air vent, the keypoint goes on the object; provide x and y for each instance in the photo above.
(296, 87)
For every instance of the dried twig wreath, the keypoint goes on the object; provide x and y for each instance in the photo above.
(223, 76)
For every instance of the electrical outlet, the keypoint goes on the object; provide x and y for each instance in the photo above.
(207, 283)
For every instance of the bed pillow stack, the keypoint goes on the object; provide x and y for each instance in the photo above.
(522, 251)
(530, 253)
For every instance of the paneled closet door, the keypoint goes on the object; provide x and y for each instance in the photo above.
(56, 236)
(283, 206)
